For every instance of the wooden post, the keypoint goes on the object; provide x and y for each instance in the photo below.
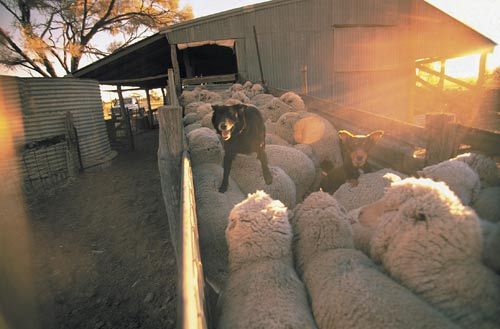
(163, 93)
(175, 66)
(172, 94)
(73, 156)
(187, 63)
(258, 55)
(441, 134)
(303, 71)
(482, 69)
(169, 164)
(150, 112)
(126, 118)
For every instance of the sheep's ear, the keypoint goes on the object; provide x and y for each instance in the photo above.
(376, 135)
(344, 135)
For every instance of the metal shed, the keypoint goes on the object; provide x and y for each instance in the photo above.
(359, 53)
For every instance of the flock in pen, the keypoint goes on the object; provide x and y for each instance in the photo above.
(391, 252)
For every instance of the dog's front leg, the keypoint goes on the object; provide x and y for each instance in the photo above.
(228, 160)
(262, 156)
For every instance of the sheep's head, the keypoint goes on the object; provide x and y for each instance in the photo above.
(319, 224)
(258, 229)
(422, 221)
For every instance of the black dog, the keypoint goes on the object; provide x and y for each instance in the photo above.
(355, 150)
(242, 129)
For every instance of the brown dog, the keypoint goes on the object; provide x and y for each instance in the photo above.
(355, 149)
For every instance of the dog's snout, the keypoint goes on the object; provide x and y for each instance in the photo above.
(223, 126)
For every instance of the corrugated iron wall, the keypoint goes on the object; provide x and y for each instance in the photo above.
(43, 103)
(356, 51)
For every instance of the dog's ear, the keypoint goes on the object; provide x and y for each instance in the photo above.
(375, 136)
(217, 108)
(344, 135)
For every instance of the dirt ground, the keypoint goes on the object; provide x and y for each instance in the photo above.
(102, 256)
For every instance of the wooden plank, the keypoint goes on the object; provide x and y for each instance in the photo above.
(441, 137)
(125, 81)
(126, 119)
(193, 309)
(169, 164)
(172, 92)
(480, 140)
(447, 77)
(210, 79)
(175, 67)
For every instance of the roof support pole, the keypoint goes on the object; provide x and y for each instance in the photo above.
(482, 69)
(126, 119)
(175, 67)
(150, 112)
(164, 95)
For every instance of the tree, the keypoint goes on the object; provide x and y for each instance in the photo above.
(51, 36)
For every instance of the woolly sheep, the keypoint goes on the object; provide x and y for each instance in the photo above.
(209, 96)
(430, 242)
(190, 118)
(247, 85)
(261, 99)
(236, 87)
(272, 139)
(294, 101)
(188, 97)
(307, 150)
(491, 244)
(246, 170)
(191, 127)
(213, 209)
(263, 289)
(274, 109)
(458, 176)
(371, 187)
(207, 121)
(308, 128)
(270, 127)
(204, 146)
(296, 164)
(192, 107)
(487, 204)
(255, 90)
(345, 287)
(232, 101)
(483, 165)
(239, 95)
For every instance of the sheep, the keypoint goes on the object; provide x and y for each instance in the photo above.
(487, 204)
(188, 97)
(207, 121)
(371, 187)
(270, 127)
(430, 242)
(240, 95)
(263, 289)
(345, 287)
(272, 139)
(308, 128)
(274, 109)
(210, 97)
(307, 150)
(296, 164)
(236, 87)
(192, 107)
(255, 90)
(294, 101)
(483, 165)
(458, 176)
(491, 244)
(190, 118)
(213, 209)
(247, 85)
(204, 146)
(261, 99)
(191, 127)
(246, 170)
(232, 101)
